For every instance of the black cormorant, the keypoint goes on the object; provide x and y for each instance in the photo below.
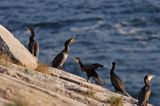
(145, 92)
(33, 46)
(116, 81)
(89, 69)
(60, 59)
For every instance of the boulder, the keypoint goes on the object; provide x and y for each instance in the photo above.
(13, 48)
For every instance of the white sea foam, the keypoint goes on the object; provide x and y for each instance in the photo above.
(123, 29)
(154, 2)
(87, 28)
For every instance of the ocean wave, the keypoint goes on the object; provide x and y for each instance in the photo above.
(65, 22)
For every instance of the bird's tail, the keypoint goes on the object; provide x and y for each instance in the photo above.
(127, 94)
(124, 93)
(99, 81)
(131, 100)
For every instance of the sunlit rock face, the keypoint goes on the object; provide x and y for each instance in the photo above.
(10, 46)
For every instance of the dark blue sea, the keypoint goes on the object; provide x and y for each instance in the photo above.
(125, 31)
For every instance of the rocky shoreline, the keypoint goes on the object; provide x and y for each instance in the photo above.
(45, 86)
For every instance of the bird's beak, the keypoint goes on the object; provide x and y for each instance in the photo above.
(151, 77)
(75, 60)
(73, 40)
(73, 37)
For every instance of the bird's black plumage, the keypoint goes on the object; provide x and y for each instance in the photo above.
(116, 80)
(61, 58)
(145, 91)
(89, 69)
(33, 45)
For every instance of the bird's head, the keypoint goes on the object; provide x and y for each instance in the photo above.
(70, 41)
(30, 29)
(76, 59)
(149, 77)
(113, 64)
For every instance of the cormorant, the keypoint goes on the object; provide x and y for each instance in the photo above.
(60, 59)
(116, 81)
(145, 91)
(89, 69)
(33, 46)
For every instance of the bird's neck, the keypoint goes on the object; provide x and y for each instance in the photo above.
(112, 70)
(66, 48)
(31, 38)
(147, 83)
(32, 35)
(81, 64)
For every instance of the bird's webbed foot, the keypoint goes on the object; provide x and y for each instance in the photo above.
(59, 67)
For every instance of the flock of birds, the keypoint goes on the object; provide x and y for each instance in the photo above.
(90, 69)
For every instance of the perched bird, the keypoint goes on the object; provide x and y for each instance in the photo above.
(89, 69)
(61, 58)
(145, 91)
(116, 81)
(33, 45)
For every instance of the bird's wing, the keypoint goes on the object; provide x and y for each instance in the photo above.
(31, 47)
(93, 66)
(97, 65)
(146, 96)
(99, 81)
(141, 96)
(36, 49)
(117, 82)
(59, 59)
(88, 67)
